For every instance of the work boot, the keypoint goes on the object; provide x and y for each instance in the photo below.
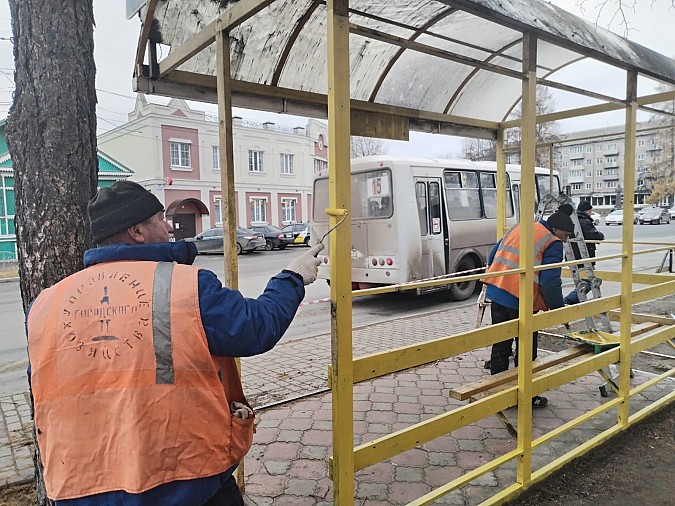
(539, 401)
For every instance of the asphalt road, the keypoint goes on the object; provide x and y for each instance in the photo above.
(313, 317)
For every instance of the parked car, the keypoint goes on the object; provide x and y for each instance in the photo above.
(672, 213)
(211, 241)
(615, 218)
(297, 233)
(274, 237)
(655, 216)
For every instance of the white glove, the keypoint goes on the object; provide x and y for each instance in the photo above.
(240, 410)
(307, 265)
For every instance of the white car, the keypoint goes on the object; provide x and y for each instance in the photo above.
(614, 218)
(672, 213)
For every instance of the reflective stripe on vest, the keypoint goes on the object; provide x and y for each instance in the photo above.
(507, 257)
(127, 395)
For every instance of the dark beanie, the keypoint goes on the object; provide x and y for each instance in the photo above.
(568, 209)
(119, 207)
(584, 206)
(561, 221)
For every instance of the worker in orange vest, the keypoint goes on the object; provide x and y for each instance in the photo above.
(137, 396)
(502, 291)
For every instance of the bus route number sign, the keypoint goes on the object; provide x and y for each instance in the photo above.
(378, 186)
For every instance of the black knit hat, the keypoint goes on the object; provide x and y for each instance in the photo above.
(568, 209)
(584, 206)
(119, 207)
(561, 221)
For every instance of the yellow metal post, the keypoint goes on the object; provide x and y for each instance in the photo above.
(525, 305)
(501, 184)
(627, 246)
(228, 202)
(340, 253)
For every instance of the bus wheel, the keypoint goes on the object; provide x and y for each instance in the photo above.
(462, 291)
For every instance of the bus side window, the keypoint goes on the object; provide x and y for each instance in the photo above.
(462, 193)
(435, 208)
(421, 194)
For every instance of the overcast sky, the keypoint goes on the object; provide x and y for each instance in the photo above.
(652, 24)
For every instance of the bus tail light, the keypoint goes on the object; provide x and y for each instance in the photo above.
(390, 261)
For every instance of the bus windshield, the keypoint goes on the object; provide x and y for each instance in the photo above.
(371, 196)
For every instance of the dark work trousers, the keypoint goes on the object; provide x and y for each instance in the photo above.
(499, 359)
(228, 495)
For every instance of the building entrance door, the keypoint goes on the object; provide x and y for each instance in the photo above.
(184, 226)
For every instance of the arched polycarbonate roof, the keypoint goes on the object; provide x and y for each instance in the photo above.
(458, 62)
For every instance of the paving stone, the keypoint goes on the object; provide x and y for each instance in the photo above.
(371, 491)
(441, 459)
(282, 451)
(308, 469)
(276, 466)
(412, 474)
(403, 493)
(300, 487)
(437, 476)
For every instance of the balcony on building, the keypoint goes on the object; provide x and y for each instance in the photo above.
(610, 177)
(575, 179)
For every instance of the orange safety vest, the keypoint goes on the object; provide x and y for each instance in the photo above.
(127, 395)
(508, 257)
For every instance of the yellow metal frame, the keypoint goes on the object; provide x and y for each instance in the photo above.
(344, 372)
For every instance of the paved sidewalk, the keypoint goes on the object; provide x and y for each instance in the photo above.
(288, 462)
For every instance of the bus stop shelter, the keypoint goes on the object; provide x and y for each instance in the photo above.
(383, 68)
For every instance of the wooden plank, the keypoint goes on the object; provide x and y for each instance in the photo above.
(643, 328)
(642, 318)
(468, 390)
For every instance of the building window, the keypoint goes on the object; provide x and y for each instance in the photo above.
(218, 209)
(589, 186)
(576, 173)
(641, 156)
(216, 157)
(286, 163)
(589, 161)
(641, 142)
(576, 186)
(598, 173)
(180, 154)
(255, 161)
(598, 186)
(564, 164)
(598, 160)
(577, 162)
(610, 160)
(258, 210)
(576, 149)
(611, 184)
(288, 211)
(589, 149)
(320, 165)
(589, 173)
(611, 146)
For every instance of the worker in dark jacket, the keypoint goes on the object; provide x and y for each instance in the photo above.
(137, 396)
(584, 210)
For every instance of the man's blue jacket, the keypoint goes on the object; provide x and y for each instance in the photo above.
(235, 326)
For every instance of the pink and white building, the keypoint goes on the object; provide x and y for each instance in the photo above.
(174, 152)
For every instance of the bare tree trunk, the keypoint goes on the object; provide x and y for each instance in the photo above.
(51, 134)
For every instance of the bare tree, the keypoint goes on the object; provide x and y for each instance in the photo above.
(544, 132)
(479, 149)
(660, 174)
(51, 135)
(365, 146)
